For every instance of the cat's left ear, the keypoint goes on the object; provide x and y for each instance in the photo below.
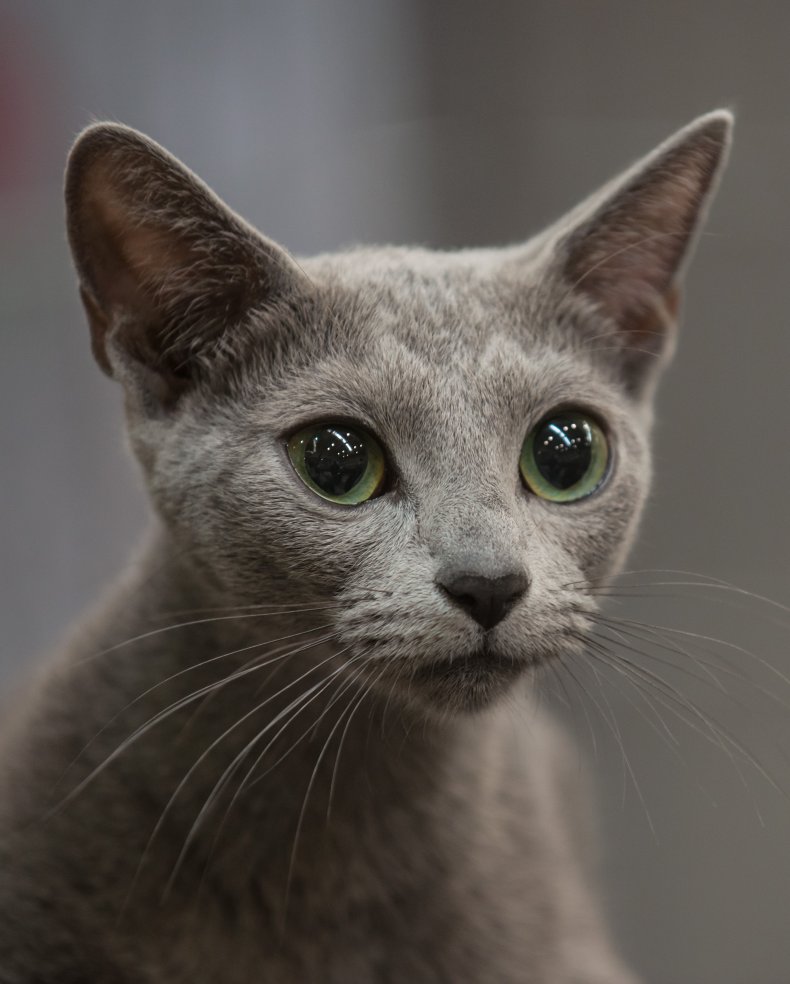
(625, 248)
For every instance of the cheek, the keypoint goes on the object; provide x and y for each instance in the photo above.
(601, 543)
(588, 538)
(279, 532)
(602, 533)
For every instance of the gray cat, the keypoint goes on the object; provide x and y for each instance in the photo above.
(299, 742)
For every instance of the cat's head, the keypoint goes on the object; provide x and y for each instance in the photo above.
(448, 447)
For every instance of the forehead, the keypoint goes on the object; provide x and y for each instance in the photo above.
(439, 306)
(416, 341)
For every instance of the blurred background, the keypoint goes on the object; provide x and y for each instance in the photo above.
(328, 123)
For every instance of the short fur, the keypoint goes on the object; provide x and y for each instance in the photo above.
(278, 752)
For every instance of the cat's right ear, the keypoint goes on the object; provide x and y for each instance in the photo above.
(169, 275)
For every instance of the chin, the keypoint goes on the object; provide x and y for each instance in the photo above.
(465, 683)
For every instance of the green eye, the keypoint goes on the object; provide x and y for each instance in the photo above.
(340, 463)
(565, 457)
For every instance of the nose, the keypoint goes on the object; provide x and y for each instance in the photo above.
(486, 599)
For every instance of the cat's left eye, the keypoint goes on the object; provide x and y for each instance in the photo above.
(338, 462)
(565, 458)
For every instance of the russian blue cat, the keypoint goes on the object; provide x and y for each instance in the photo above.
(297, 741)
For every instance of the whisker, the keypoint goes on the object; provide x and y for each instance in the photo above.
(193, 622)
(207, 751)
(667, 644)
(616, 333)
(174, 676)
(162, 715)
(727, 596)
(621, 348)
(333, 779)
(297, 706)
(611, 582)
(624, 634)
(662, 692)
(671, 647)
(611, 722)
(566, 699)
(277, 655)
(711, 729)
(660, 641)
(344, 685)
(303, 811)
(343, 689)
(660, 727)
(265, 606)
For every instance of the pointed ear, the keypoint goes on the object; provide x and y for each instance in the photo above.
(168, 274)
(625, 248)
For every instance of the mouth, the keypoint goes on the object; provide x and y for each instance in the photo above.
(469, 681)
(480, 665)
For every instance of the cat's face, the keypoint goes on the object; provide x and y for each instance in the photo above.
(422, 390)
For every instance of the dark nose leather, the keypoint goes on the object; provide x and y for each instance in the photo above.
(486, 599)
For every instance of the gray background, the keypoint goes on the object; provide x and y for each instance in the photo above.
(328, 123)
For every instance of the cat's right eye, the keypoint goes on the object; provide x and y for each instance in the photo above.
(338, 462)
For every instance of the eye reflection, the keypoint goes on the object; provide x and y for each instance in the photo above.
(335, 460)
(338, 462)
(565, 457)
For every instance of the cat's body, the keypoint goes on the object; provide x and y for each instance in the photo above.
(298, 742)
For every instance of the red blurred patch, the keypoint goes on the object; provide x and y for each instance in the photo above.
(21, 105)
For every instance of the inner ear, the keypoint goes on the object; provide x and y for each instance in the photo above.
(130, 266)
(169, 274)
(628, 257)
(140, 253)
(626, 248)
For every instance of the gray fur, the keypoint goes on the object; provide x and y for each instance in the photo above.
(407, 824)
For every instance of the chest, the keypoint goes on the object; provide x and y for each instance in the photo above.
(470, 899)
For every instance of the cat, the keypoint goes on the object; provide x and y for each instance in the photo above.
(299, 742)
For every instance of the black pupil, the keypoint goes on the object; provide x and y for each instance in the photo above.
(563, 450)
(335, 458)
